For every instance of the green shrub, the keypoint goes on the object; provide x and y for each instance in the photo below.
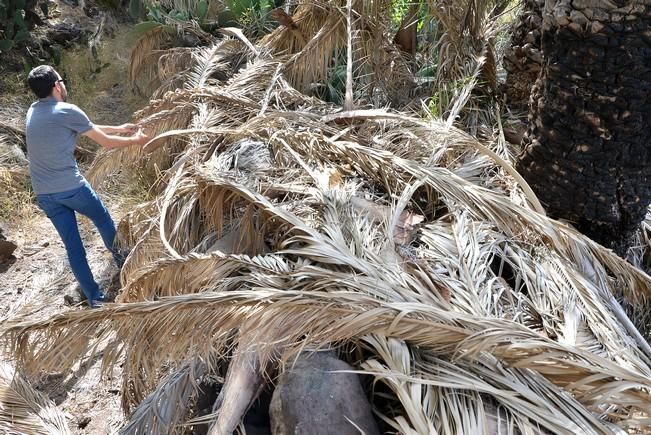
(164, 12)
(13, 28)
(253, 16)
(17, 17)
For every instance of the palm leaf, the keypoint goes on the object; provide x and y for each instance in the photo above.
(25, 410)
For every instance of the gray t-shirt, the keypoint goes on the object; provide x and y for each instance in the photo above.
(51, 130)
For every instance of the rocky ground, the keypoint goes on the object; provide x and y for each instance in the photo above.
(34, 273)
(36, 279)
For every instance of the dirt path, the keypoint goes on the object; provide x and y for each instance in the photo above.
(38, 280)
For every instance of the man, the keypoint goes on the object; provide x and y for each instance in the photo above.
(52, 127)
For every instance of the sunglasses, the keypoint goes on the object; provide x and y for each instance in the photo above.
(62, 81)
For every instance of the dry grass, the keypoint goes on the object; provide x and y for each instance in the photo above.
(17, 198)
(98, 83)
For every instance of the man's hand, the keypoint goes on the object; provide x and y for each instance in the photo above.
(140, 137)
(128, 128)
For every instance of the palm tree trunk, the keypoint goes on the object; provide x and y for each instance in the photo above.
(586, 151)
(407, 35)
(523, 59)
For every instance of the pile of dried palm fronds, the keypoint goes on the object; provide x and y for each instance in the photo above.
(283, 224)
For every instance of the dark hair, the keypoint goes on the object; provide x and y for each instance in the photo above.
(41, 80)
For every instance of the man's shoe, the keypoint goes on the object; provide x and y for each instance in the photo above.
(98, 302)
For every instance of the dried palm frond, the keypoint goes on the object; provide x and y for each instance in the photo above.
(467, 30)
(323, 25)
(173, 67)
(306, 318)
(25, 410)
(175, 109)
(220, 61)
(426, 393)
(145, 54)
(163, 410)
(15, 131)
(146, 65)
(466, 58)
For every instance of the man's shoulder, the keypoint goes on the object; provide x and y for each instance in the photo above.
(67, 107)
(33, 107)
(70, 111)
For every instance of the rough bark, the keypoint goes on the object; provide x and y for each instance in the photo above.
(523, 57)
(407, 35)
(586, 152)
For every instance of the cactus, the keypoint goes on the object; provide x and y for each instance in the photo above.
(13, 27)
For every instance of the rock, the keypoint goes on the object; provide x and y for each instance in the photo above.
(190, 40)
(578, 18)
(70, 300)
(64, 33)
(12, 147)
(310, 399)
(83, 422)
(73, 294)
(7, 247)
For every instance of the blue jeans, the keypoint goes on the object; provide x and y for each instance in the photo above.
(60, 208)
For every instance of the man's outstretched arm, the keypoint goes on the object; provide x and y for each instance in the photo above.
(111, 141)
(124, 128)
